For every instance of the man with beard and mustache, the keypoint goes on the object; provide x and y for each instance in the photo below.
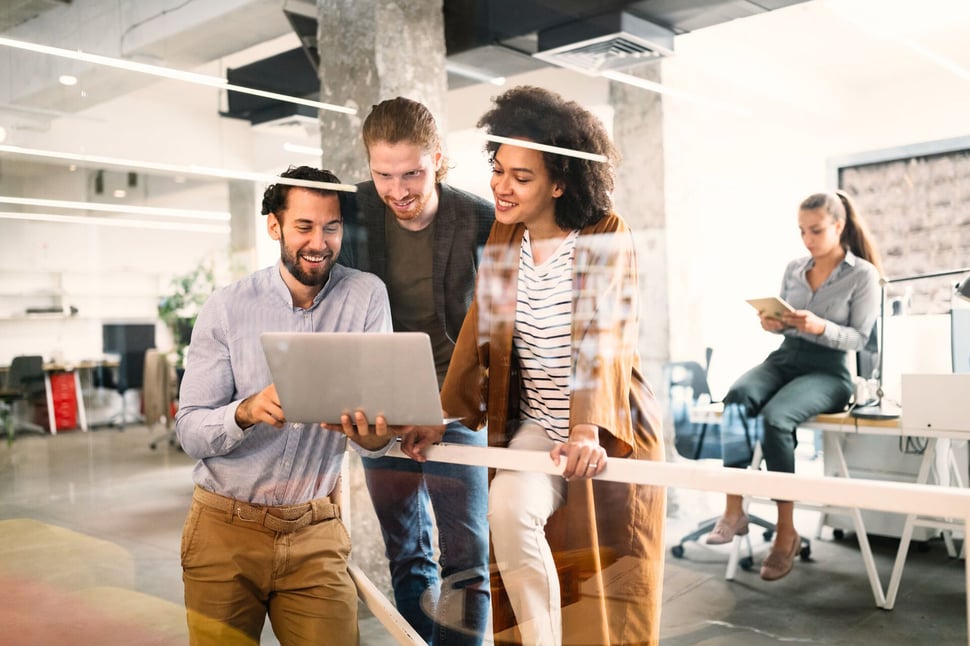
(423, 238)
(263, 535)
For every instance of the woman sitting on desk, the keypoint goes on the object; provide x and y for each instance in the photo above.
(835, 293)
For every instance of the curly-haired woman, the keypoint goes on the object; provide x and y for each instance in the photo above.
(547, 357)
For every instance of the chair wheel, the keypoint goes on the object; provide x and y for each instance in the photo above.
(922, 546)
(677, 551)
(838, 534)
(768, 534)
(746, 563)
(806, 553)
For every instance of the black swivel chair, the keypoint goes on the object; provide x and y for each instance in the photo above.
(129, 342)
(25, 383)
(687, 387)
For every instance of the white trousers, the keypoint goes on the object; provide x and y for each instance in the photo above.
(519, 504)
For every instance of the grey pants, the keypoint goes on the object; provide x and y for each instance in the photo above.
(794, 383)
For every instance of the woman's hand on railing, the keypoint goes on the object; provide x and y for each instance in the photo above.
(585, 457)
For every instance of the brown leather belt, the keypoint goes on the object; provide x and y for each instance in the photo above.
(283, 519)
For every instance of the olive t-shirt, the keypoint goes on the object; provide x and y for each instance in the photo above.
(410, 288)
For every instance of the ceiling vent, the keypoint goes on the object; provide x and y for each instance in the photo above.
(608, 42)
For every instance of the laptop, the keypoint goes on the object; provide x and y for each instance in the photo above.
(321, 375)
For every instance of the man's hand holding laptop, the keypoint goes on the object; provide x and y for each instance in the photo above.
(370, 437)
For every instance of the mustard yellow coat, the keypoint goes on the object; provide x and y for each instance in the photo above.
(608, 537)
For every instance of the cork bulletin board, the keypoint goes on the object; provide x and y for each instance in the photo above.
(916, 201)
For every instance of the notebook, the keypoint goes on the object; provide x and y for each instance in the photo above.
(320, 376)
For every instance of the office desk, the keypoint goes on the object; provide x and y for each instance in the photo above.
(935, 468)
(75, 368)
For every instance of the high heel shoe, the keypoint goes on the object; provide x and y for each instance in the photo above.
(725, 531)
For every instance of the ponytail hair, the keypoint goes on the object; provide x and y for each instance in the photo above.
(855, 234)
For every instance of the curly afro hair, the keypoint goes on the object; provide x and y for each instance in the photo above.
(542, 116)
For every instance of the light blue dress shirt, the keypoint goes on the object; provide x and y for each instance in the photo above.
(848, 300)
(225, 364)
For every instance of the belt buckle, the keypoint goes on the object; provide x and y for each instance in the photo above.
(260, 515)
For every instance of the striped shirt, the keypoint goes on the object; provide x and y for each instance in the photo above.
(542, 338)
(263, 464)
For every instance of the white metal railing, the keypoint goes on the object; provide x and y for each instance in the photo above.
(898, 497)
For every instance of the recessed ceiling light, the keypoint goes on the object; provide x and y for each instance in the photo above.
(119, 193)
(67, 79)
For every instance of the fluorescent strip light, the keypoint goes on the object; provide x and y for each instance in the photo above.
(167, 72)
(474, 74)
(653, 86)
(110, 222)
(177, 169)
(305, 150)
(569, 152)
(118, 208)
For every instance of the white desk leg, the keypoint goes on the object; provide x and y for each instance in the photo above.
(868, 560)
(835, 445)
(51, 418)
(79, 393)
(907, 536)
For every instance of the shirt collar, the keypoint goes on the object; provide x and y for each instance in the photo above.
(850, 259)
(279, 285)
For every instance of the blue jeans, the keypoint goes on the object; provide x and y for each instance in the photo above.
(404, 492)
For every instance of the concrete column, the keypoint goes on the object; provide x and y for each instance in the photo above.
(372, 50)
(640, 198)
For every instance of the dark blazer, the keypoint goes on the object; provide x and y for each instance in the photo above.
(461, 229)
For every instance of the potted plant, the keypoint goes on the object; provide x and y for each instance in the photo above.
(179, 308)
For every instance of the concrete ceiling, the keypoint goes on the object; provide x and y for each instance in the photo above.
(498, 37)
(17, 12)
(821, 43)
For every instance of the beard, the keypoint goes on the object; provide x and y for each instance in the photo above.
(316, 277)
(412, 211)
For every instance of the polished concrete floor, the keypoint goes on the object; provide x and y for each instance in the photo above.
(89, 554)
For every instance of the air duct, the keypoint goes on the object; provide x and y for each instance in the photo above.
(611, 41)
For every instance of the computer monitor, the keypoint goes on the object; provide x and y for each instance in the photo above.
(960, 339)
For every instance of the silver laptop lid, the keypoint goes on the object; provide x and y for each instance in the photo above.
(320, 376)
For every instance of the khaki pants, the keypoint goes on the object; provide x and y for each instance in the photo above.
(241, 562)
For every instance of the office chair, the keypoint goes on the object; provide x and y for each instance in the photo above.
(129, 342)
(686, 388)
(25, 383)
